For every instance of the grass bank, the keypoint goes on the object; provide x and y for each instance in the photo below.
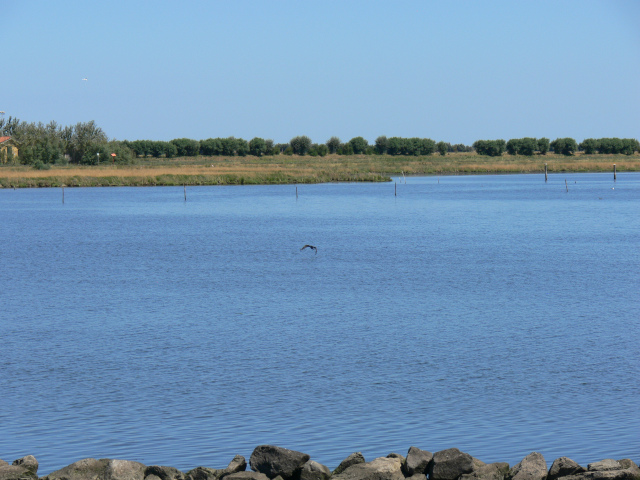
(283, 169)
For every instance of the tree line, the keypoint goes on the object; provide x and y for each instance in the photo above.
(42, 145)
(85, 143)
(564, 146)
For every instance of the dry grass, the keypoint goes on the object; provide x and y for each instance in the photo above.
(292, 169)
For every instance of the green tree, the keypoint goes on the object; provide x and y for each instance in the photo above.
(395, 146)
(513, 146)
(186, 147)
(86, 139)
(543, 145)
(382, 144)
(630, 146)
(528, 146)
(564, 146)
(442, 148)
(242, 147)
(300, 145)
(333, 144)
(589, 146)
(257, 147)
(358, 144)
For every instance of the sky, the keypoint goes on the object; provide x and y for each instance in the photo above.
(453, 71)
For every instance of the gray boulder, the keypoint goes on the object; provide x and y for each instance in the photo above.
(417, 476)
(627, 463)
(417, 461)
(124, 470)
(238, 464)
(29, 462)
(622, 474)
(450, 464)
(532, 467)
(203, 473)
(604, 465)
(85, 469)
(163, 473)
(3, 463)
(353, 459)
(487, 471)
(247, 476)
(563, 467)
(16, 472)
(273, 461)
(314, 471)
(383, 468)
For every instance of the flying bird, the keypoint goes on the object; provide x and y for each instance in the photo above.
(85, 79)
(311, 247)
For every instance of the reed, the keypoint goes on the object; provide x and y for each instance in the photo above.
(283, 169)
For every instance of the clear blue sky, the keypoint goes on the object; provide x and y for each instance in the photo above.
(456, 71)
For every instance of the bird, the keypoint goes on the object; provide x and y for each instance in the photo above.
(311, 247)
(85, 79)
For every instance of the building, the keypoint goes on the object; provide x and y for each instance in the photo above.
(8, 150)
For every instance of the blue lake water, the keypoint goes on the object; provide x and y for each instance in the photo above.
(496, 314)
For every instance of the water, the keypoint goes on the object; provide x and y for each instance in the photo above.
(496, 314)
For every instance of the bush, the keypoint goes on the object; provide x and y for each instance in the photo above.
(300, 145)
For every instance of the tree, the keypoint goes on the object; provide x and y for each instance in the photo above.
(564, 146)
(442, 148)
(513, 146)
(186, 147)
(629, 146)
(211, 147)
(528, 146)
(345, 149)
(333, 143)
(257, 147)
(86, 138)
(242, 147)
(395, 146)
(589, 146)
(492, 148)
(358, 144)
(382, 144)
(543, 145)
(300, 145)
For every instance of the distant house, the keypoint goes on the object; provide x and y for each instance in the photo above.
(8, 150)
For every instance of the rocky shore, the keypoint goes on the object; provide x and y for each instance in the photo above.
(277, 463)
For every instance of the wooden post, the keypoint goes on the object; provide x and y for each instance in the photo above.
(395, 193)
(614, 172)
(566, 186)
(185, 192)
(296, 192)
(63, 194)
(545, 172)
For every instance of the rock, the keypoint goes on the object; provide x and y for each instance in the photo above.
(238, 464)
(314, 471)
(3, 463)
(532, 467)
(627, 463)
(622, 474)
(396, 455)
(491, 471)
(203, 473)
(353, 459)
(450, 464)
(152, 477)
(378, 469)
(16, 472)
(417, 476)
(563, 467)
(604, 465)
(124, 470)
(29, 462)
(85, 469)
(164, 473)
(273, 461)
(417, 461)
(247, 476)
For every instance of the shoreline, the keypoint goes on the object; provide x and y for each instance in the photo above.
(290, 170)
(277, 463)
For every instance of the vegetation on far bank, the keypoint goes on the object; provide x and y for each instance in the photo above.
(82, 155)
(281, 169)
